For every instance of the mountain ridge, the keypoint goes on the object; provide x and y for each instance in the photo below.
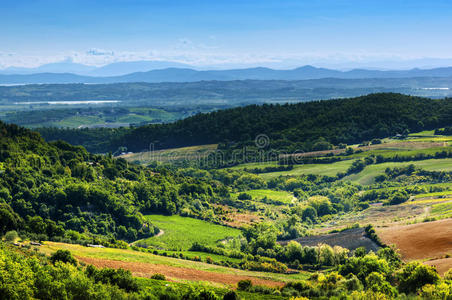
(186, 74)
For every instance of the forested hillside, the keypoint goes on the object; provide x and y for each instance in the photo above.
(302, 126)
(59, 191)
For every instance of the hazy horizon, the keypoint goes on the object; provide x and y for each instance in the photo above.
(228, 34)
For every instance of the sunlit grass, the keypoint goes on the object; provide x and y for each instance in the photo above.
(181, 232)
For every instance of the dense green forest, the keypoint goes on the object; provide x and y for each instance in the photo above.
(290, 127)
(55, 190)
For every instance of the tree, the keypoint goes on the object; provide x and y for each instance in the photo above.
(414, 276)
(8, 218)
(231, 295)
(244, 285)
(64, 256)
(11, 236)
(378, 284)
(309, 213)
(363, 266)
(244, 196)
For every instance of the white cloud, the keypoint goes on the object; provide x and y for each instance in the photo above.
(100, 52)
(210, 56)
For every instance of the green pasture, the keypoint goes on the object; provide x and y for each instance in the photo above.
(279, 196)
(181, 232)
(367, 176)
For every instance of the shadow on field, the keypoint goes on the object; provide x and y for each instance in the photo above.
(350, 239)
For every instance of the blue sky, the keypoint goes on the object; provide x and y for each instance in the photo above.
(217, 32)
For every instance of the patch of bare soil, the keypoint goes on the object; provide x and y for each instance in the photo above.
(420, 241)
(237, 219)
(147, 270)
(442, 265)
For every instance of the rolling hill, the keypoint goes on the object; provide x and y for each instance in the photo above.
(303, 126)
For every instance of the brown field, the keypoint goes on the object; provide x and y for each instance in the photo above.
(146, 264)
(424, 241)
(237, 219)
(175, 273)
(420, 241)
(442, 265)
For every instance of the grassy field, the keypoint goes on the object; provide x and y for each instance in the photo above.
(181, 232)
(172, 155)
(279, 196)
(443, 210)
(367, 176)
(317, 169)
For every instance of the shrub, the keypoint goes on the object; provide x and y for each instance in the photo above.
(64, 256)
(244, 285)
(11, 236)
(231, 295)
(207, 295)
(244, 196)
(414, 276)
(120, 277)
(158, 276)
(448, 275)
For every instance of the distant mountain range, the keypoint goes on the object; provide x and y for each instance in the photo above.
(160, 72)
(113, 69)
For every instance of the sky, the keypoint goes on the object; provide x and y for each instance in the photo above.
(218, 33)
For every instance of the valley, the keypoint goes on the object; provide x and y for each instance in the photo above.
(271, 225)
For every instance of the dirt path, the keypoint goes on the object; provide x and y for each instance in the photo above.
(147, 270)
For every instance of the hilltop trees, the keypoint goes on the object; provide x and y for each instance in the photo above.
(54, 190)
(298, 127)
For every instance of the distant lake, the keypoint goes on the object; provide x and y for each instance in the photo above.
(68, 102)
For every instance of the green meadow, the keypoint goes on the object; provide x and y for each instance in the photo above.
(316, 169)
(279, 196)
(367, 176)
(181, 232)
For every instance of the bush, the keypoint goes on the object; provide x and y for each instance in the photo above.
(372, 234)
(231, 295)
(158, 276)
(120, 277)
(448, 275)
(64, 256)
(414, 276)
(244, 196)
(11, 236)
(244, 285)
